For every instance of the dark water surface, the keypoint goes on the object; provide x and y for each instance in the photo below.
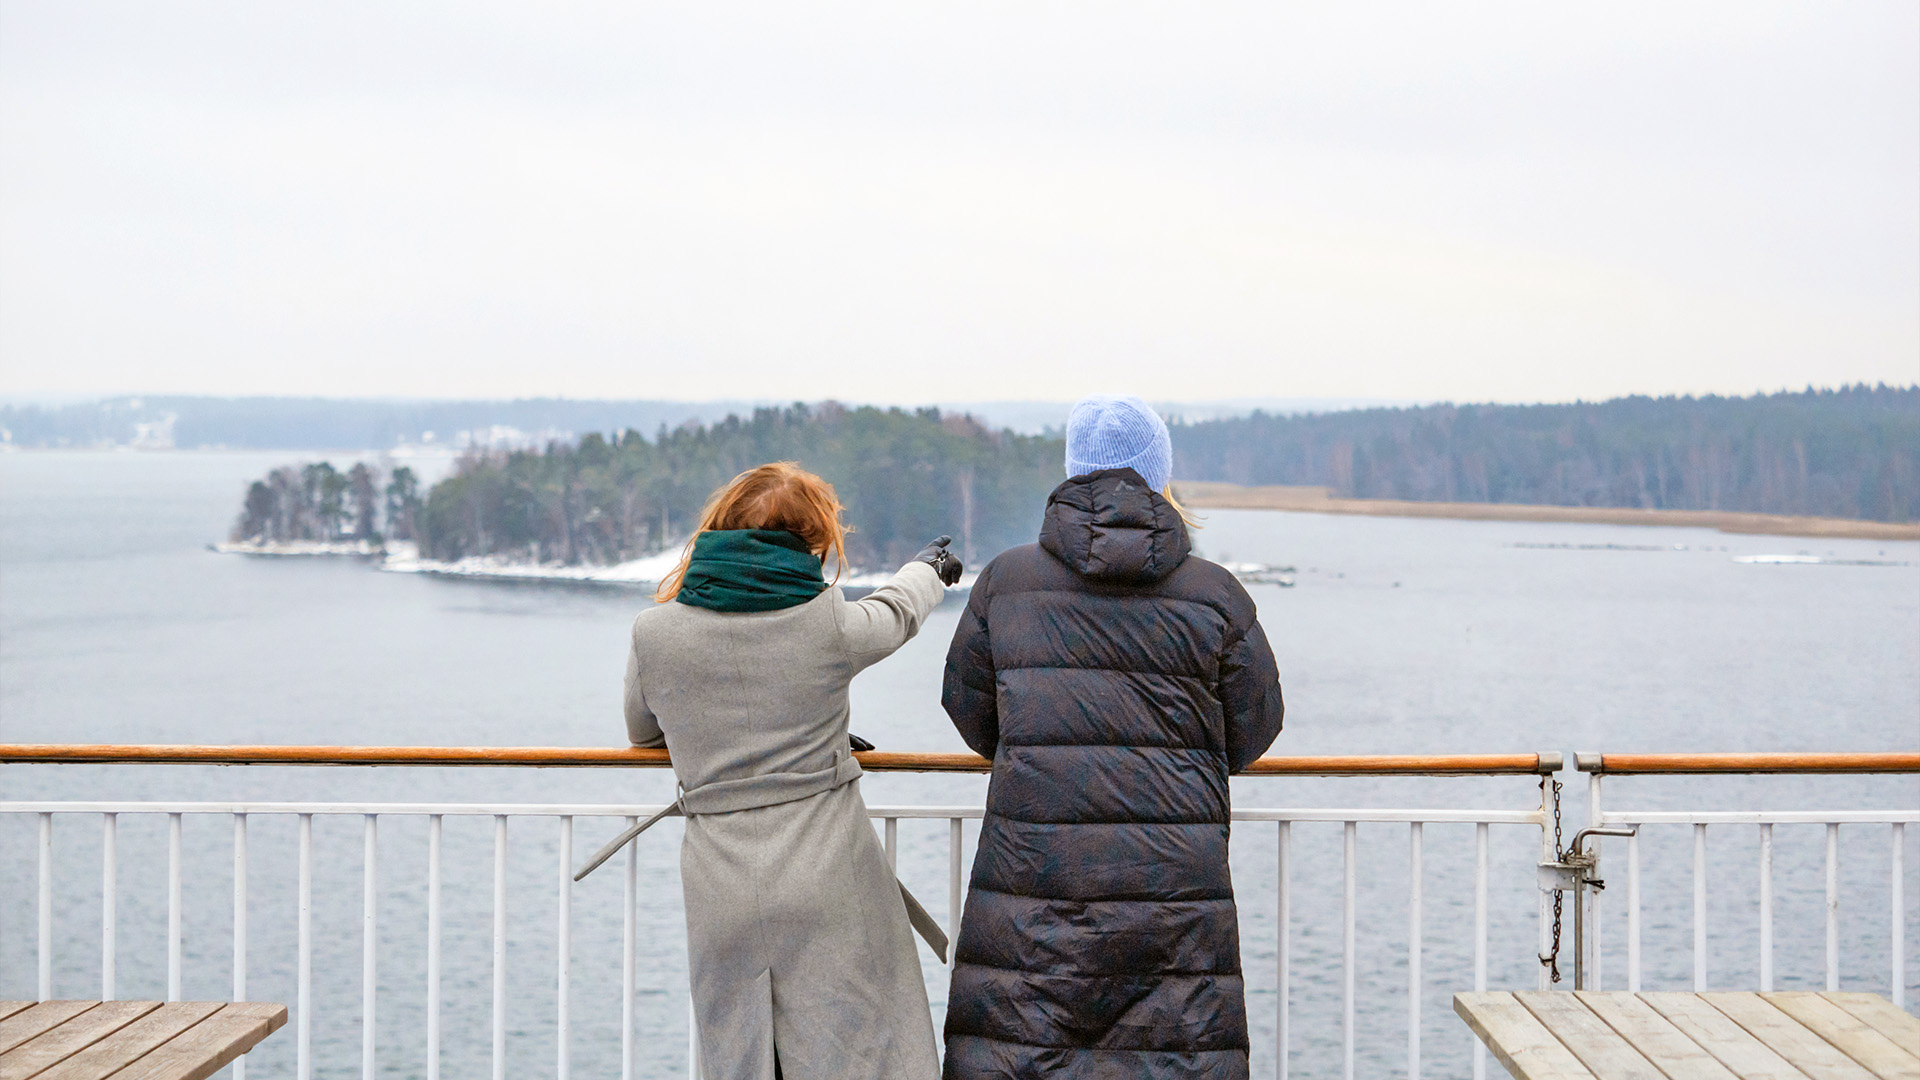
(1402, 636)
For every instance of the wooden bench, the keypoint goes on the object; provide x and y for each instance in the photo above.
(1591, 1035)
(129, 1040)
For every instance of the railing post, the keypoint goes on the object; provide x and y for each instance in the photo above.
(109, 900)
(1347, 950)
(1284, 920)
(629, 896)
(953, 893)
(1899, 915)
(46, 908)
(1594, 963)
(433, 947)
(1580, 937)
(499, 947)
(1479, 936)
(562, 1049)
(173, 907)
(1544, 898)
(1413, 950)
(1833, 907)
(240, 925)
(303, 990)
(1699, 908)
(369, 944)
(1633, 912)
(1766, 908)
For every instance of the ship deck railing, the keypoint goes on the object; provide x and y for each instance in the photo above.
(1539, 813)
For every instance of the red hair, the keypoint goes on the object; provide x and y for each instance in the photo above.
(778, 495)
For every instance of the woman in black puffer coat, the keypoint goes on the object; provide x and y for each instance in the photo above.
(1115, 681)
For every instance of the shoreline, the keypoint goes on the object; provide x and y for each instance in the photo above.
(1217, 495)
(646, 572)
(403, 557)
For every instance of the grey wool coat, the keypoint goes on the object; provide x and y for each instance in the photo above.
(797, 936)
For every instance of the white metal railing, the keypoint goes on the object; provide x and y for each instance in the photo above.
(888, 817)
(1598, 766)
(1537, 815)
(240, 812)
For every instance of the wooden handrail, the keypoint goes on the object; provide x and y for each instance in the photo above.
(1408, 765)
(1697, 764)
(634, 757)
(893, 761)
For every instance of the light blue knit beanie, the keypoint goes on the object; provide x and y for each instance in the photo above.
(1107, 431)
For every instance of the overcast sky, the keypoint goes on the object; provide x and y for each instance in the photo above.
(907, 202)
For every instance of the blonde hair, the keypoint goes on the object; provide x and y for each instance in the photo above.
(1193, 520)
(777, 495)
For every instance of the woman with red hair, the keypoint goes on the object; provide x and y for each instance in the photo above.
(798, 936)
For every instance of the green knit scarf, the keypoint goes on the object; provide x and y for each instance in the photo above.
(751, 570)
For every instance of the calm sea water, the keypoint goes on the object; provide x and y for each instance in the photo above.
(1401, 636)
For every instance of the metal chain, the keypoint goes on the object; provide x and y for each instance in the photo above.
(1551, 960)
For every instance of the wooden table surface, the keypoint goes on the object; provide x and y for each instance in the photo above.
(1730, 1035)
(129, 1040)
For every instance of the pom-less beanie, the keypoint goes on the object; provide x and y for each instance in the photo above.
(1105, 431)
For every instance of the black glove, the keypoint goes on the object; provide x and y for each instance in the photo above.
(859, 744)
(944, 562)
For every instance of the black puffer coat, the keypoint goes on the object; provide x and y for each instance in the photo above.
(1115, 682)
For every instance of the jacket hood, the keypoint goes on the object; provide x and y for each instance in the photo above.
(1109, 525)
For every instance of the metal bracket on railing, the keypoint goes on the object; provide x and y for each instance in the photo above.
(1577, 871)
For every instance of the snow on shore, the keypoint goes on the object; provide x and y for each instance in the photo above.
(643, 571)
(647, 571)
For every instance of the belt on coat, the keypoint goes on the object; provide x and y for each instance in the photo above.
(752, 793)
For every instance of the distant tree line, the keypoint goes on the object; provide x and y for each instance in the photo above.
(904, 477)
(1852, 452)
(287, 423)
(318, 502)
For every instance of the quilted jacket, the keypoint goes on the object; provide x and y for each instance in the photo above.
(1115, 680)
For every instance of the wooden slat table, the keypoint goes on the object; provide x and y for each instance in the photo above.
(1589, 1035)
(129, 1040)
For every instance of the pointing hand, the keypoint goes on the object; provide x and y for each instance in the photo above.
(945, 563)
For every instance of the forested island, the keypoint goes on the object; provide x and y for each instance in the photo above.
(905, 477)
(1847, 453)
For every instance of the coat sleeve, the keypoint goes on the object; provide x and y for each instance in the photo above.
(1250, 697)
(885, 619)
(643, 728)
(967, 692)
